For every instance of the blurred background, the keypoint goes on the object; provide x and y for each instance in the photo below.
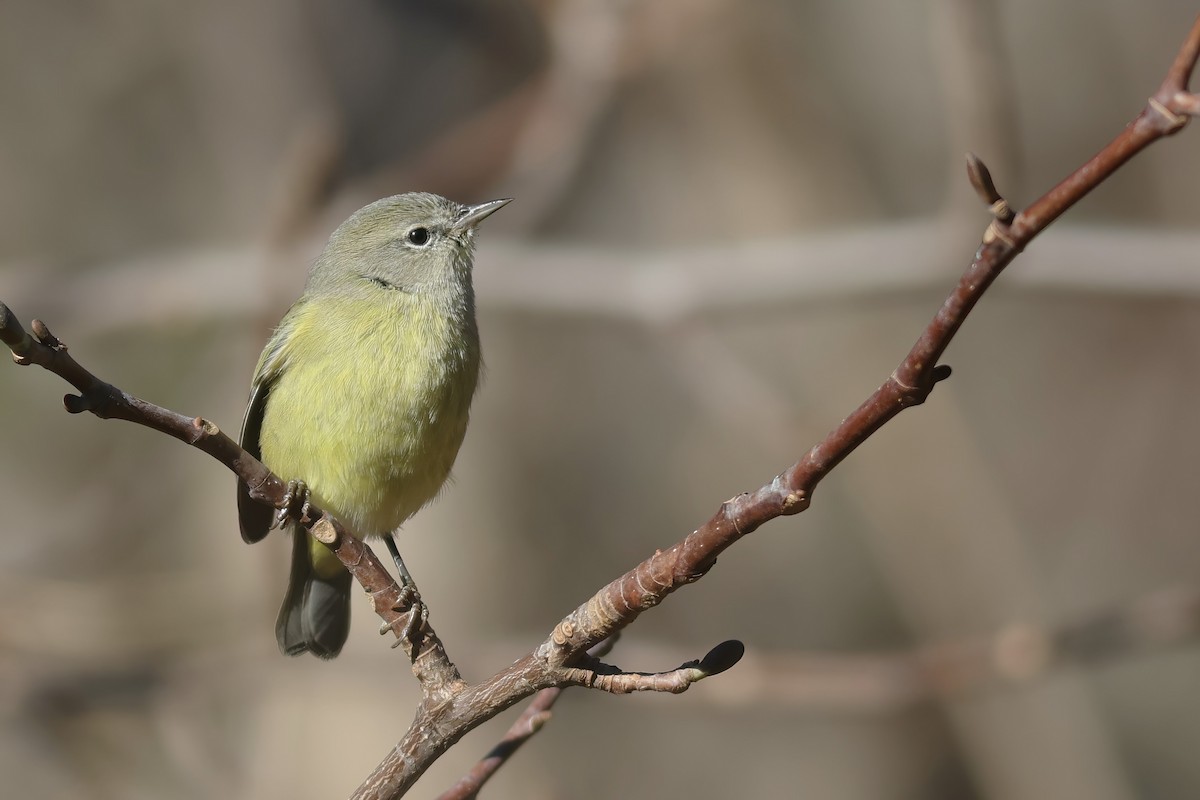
(732, 219)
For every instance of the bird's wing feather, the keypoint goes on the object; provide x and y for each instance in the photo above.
(254, 517)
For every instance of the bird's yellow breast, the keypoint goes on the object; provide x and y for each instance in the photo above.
(370, 405)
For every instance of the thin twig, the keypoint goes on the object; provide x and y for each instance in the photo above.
(622, 601)
(535, 715)
(790, 492)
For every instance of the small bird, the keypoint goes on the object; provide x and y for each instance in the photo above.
(363, 392)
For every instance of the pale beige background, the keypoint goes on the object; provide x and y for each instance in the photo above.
(732, 219)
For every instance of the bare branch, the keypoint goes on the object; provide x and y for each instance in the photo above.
(1018, 653)
(596, 675)
(535, 715)
(619, 603)
(790, 492)
(430, 662)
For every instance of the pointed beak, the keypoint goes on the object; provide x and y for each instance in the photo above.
(477, 214)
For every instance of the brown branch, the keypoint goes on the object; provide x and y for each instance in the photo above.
(449, 705)
(619, 603)
(595, 676)
(790, 492)
(437, 727)
(535, 715)
(430, 662)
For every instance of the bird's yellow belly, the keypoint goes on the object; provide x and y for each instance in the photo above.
(381, 441)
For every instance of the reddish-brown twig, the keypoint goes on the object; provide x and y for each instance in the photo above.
(619, 603)
(535, 715)
(790, 492)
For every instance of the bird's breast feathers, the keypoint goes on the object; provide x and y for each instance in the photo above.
(370, 408)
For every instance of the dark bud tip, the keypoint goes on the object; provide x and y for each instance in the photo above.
(941, 372)
(722, 657)
(11, 332)
(981, 180)
(75, 404)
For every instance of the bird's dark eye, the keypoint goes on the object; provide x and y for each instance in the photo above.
(418, 236)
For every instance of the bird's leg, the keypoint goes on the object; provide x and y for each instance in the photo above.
(406, 578)
(295, 505)
(409, 599)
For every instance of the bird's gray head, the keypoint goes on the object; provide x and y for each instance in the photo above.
(418, 243)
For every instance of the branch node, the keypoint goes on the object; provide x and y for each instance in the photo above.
(731, 512)
(794, 502)
(904, 387)
(564, 632)
(1187, 102)
(1174, 121)
(1002, 211)
(998, 229)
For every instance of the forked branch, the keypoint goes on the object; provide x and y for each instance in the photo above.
(791, 491)
(619, 603)
(451, 707)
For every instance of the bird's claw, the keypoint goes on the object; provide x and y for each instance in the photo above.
(409, 600)
(295, 505)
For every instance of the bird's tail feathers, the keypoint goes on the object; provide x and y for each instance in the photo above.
(315, 615)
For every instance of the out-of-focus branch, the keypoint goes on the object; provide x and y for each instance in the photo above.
(1024, 652)
(1018, 653)
(535, 715)
(977, 86)
(657, 288)
(530, 141)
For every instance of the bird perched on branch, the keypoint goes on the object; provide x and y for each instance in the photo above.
(362, 394)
